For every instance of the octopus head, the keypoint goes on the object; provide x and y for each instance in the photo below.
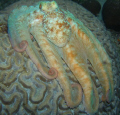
(56, 27)
(48, 6)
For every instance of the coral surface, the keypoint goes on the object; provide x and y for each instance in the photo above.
(25, 90)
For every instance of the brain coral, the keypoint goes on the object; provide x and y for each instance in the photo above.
(23, 90)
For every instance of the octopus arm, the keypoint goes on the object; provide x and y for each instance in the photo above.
(17, 43)
(72, 92)
(77, 62)
(21, 41)
(106, 61)
(97, 56)
(35, 57)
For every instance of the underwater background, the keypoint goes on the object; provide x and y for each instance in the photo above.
(24, 91)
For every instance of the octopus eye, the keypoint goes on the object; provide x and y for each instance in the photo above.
(40, 6)
(54, 4)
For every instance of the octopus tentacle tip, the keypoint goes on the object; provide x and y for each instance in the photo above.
(22, 46)
(103, 98)
(53, 72)
(77, 86)
(107, 97)
(77, 95)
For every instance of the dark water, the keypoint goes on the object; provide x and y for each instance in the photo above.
(5, 3)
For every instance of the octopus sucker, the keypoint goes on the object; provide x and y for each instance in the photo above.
(62, 37)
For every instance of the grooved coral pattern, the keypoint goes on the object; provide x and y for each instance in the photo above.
(36, 87)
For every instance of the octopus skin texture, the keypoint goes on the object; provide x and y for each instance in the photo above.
(61, 36)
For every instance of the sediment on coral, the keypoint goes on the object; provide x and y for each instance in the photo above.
(23, 90)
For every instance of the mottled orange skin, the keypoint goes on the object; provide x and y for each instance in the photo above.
(61, 36)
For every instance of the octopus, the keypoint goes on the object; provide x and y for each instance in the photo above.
(62, 37)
